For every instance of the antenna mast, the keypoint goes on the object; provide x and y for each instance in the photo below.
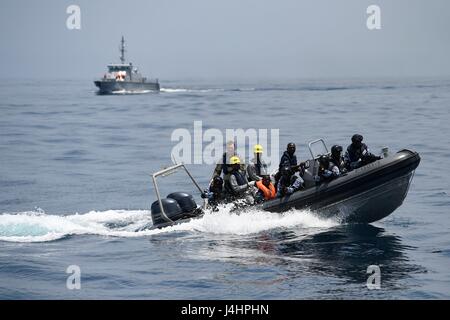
(122, 51)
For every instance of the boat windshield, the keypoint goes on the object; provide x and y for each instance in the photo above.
(117, 68)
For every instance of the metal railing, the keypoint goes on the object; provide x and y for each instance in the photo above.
(166, 172)
(313, 142)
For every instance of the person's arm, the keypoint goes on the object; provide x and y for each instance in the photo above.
(259, 197)
(298, 183)
(351, 163)
(355, 164)
(347, 160)
(365, 153)
(294, 160)
(251, 171)
(280, 188)
(326, 173)
(283, 160)
(217, 170)
(335, 171)
(368, 156)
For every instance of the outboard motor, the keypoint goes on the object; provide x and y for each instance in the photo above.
(171, 208)
(177, 206)
(185, 200)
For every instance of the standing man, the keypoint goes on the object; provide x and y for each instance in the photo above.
(224, 164)
(289, 159)
(288, 156)
(257, 167)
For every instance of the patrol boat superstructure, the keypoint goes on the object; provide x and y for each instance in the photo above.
(124, 77)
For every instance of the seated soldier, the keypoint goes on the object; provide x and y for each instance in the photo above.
(289, 182)
(266, 189)
(336, 158)
(358, 154)
(327, 170)
(238, 184)
(216, 193)
(256, 167)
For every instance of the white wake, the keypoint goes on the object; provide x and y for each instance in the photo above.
(36, 226)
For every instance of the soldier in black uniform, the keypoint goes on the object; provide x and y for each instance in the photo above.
(358, 154)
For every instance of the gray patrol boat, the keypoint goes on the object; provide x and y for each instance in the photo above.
(124, 78)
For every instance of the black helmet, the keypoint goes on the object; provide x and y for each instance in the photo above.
(290, 147)
(217, 181)
(357, 138)
(265, 178)
(286, 170)
(336, 150)
(323, 160)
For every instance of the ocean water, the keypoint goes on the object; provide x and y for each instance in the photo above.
(75, 190)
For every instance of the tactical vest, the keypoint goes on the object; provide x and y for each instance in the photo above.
(240, 179)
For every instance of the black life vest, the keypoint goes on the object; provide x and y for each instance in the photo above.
(338, 162)
(240, 178)
(258, 166)
(286, 158)
(224, 164)
(356, 153)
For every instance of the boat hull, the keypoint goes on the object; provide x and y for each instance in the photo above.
(364, 195)
(369, 206)
(111, 87)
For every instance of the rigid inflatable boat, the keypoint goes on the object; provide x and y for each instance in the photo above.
(363, 195)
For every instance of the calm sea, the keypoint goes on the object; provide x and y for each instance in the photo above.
(75, 190)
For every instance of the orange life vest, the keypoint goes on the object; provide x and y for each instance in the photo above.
(269, 193)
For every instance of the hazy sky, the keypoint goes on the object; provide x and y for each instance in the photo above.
(178, 39)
